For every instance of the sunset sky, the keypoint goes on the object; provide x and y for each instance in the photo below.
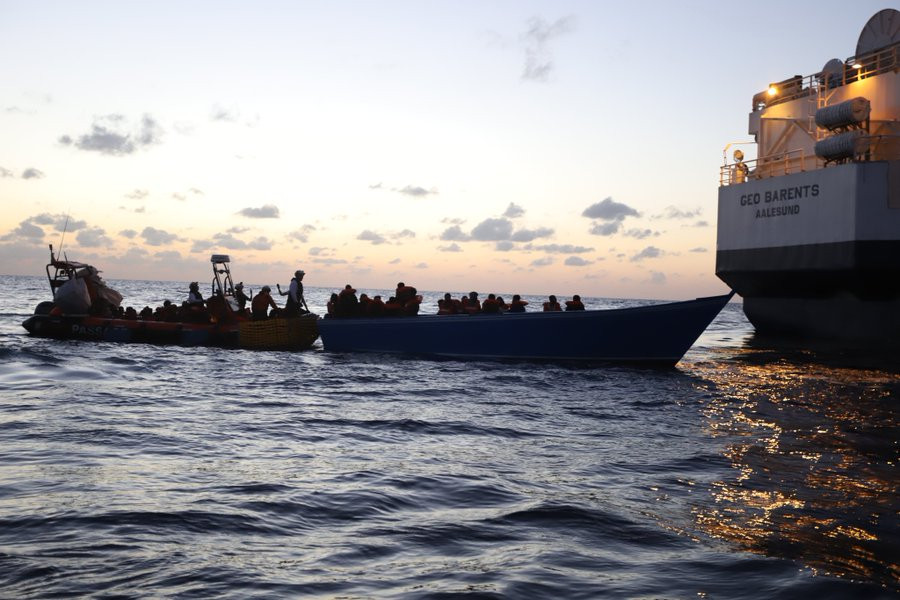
(515, 146)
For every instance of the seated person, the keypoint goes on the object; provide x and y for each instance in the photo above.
(491, 306)
(552, 305)
(575, 303)
(517, 305)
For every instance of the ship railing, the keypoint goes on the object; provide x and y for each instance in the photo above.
(880, 147)
(855, 68)
(785, 163)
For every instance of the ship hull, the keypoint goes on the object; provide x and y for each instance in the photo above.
(816, 254)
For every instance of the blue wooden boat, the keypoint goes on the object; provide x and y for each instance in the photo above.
(658, 334)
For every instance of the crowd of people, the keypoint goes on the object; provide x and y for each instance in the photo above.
(406, 302)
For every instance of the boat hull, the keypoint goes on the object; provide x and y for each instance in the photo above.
(815, 254)
(270, 334)
(658, 334)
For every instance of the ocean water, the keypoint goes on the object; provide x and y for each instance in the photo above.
(751, 470)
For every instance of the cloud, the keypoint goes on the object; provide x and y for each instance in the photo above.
(396, 261)
(417, 191)
(329, 261)
(577, 261)
(268, 211)
(220, 113)
(698, 249)
(657, 278)
(609, 210)
(25, 232)
(454, 247)
(93, 237)
(421, 265)
(60, 222)
(504, 246)
(513, 211)
(559, 248)
(158, 237)
(641, 233)
(128, 233)
(112, 135)
(5, 173)
(449, 221)
(538, 58)
(368, 235)
(542, 262)
(648, 252)
(605, 229)
(32, 173)
(376, 186)
(673, 212)
(454, 234)
(528, 235)
(229, 242)
(701, 224)
(302, 234)
(137, 194)
(319, 251)
(492, 230)
(196, 191)
(167, 256)
(406, 233)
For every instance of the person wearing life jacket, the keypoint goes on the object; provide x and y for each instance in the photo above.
(392, 308)
(259, 307)
(404, 293)
(575, 303)
(504, 307)
(332, 304)
(348, 303)
(447, 306)
(473, 306)
(552, 305)
(194, 297)
(517, 305)
(375, 308)
(490, 305)
(295, 304)
(240, 297)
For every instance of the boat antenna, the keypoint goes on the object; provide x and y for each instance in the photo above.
(63, 238)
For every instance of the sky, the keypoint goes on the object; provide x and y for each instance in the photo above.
(502, 146)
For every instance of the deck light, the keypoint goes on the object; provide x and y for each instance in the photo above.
(856, 64)
(772, 90)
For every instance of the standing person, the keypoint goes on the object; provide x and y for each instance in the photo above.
(296, 304)
(240, 296)
(261, 303)
(194, 297)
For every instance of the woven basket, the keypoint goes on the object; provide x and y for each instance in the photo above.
(279, 334)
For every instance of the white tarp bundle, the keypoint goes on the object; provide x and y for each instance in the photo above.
(72, 297)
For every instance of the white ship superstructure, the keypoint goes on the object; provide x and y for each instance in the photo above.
(809, 231)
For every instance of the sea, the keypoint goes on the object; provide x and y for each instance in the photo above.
(753, 469)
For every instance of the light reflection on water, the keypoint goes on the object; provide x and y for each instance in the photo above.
(813, 448)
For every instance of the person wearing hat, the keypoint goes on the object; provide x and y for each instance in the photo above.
(240, 297)
(296, 304)
(261, 303)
